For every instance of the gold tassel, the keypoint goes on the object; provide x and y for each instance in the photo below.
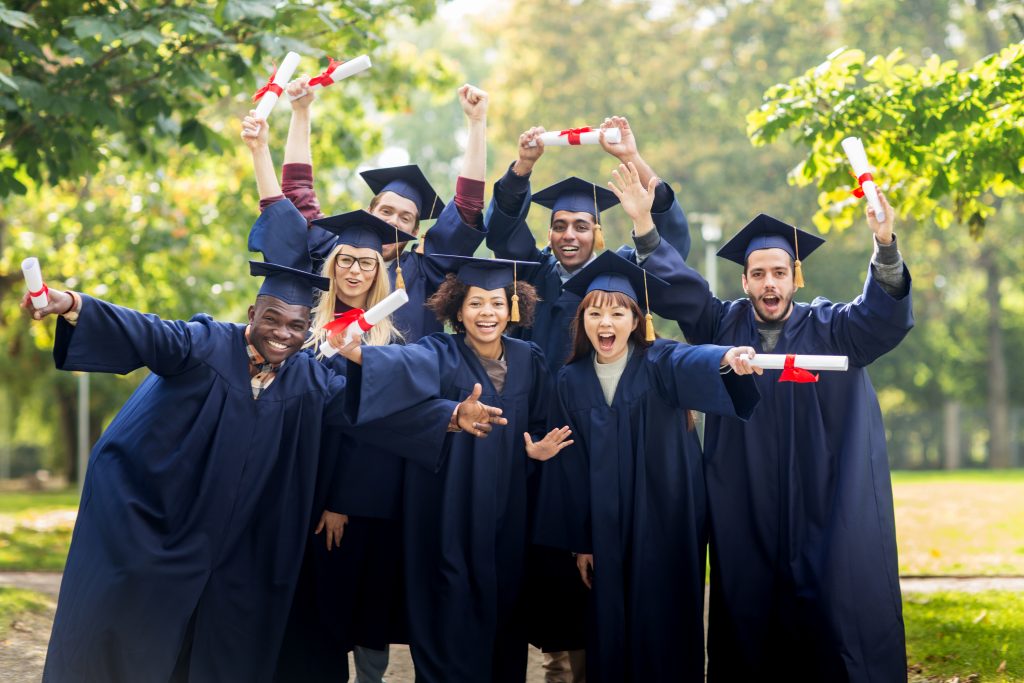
(650, 327)
(598, 237)
(798, 274)
(649, 319)
(515, 293)
(399, 280)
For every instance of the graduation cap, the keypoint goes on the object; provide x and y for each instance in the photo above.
(409, 182)
(280, 233)
(486, 273)
(290, 285)
(765, 232)
(362, 229)
(576, 194)
(610, 272)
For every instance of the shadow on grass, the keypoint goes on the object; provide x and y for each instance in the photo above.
(29, 550)
(963, 634)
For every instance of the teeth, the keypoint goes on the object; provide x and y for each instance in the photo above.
(570, 249)
(277, 345)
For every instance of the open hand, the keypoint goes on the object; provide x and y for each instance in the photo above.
(475, 417)
(550, 445)
(636, 199)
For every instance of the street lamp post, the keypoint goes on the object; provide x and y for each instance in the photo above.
(711, 232)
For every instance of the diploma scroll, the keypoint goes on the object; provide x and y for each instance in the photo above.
(854, 149)
(34, 279)
(364, 322)
(335, 71)
(578, 136)
(777, 361)
(267, 95)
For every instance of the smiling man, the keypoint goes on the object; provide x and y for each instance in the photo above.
(803, 541)
(198, 495)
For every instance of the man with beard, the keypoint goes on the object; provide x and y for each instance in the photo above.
(197, 497)
(803, 544)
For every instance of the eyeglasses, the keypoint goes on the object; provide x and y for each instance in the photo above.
(366, 263)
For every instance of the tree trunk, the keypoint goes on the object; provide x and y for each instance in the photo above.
(998, 389)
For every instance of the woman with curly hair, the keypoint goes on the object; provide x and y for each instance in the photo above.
(466, 509)
(628, 498)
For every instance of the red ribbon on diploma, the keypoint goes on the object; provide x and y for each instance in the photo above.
(269, 87)
(858, 191)
(574, 134)
(341, 323)
(43, 290)
(324, 79)
(791, 373)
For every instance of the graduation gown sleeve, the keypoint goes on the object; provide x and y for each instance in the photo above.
(689, 377)
(508, 236)
(110, 338)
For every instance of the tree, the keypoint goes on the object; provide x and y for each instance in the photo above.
(949, 148)
(120, 165)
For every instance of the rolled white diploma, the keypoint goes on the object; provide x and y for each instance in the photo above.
(281, 78)
(385, 307)
(777, 361)
(564, 138)
(34, 280)
(854, 149)
(343, 71)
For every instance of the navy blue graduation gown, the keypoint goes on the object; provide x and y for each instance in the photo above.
(631, 491)
(510, 237)
(466, 513)
(803, 542)
(196, 501)
(449, 235)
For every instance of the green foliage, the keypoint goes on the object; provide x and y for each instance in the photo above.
(951, 636)
(121, 169)
(947, 142)
(28, 550)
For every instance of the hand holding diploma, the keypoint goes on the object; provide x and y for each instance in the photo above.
(268, 95)
(335, 71)
(37, 289)
(59, 303)
(854, 149)
(796, 367)
(578, 136)
(741, 360)
(346, 331)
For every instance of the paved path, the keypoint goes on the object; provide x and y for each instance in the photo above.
(23, 651)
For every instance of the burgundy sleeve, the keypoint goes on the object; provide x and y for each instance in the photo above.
(469, 200)
(297, 184)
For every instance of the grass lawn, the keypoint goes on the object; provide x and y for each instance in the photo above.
(35, 529)
(14, 602)
(968, 522)
(33, 502)
(959, 634)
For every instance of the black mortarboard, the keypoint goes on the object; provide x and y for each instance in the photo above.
(280, 234)
(362, 229)
(610, 272)
(486, 273)
(290, 285)
(576, 194)
(409, 182)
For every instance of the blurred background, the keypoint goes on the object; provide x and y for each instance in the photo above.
(122, 170)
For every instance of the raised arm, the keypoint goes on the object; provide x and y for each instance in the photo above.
(707, 378)
(256, 136)
(666, 212)
(508, 235)
(877, 320)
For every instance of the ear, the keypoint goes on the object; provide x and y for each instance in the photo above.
(743, 279)
(252, 313)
